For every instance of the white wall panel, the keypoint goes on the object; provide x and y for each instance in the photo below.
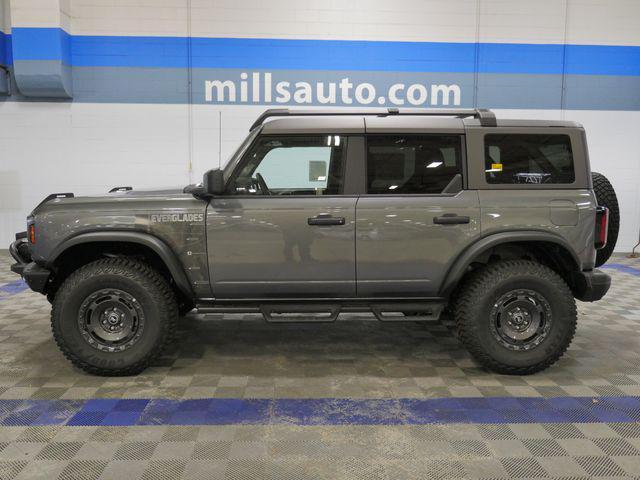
(597, 22)
(428, 20)
(402, 20)
(614, 148)
(522, 21)
(141, 18)
(612, 22)
(5, 21)
(229, 123)
(85, 148)
(39, 13)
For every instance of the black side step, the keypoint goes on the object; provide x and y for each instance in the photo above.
(395, 312)
(304, 313)
(328, 311)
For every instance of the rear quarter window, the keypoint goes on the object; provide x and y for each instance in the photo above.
(528, 159)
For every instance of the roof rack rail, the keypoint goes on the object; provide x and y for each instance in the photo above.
(487, 117)
(120, 189)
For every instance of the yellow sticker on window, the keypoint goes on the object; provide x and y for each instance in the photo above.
(496, 166)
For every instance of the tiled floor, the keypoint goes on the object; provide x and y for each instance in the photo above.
(357, 359)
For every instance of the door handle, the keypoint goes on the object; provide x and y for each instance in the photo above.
(450, 219)
(325, 219)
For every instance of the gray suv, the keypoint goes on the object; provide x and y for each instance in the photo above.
(407, 214)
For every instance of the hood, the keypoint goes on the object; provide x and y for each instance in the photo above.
(58, 201)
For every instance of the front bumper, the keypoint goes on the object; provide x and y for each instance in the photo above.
(37, 277)
(591, 286)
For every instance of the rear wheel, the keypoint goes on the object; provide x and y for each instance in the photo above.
(113, 316)
(606, 196)
(515, 317)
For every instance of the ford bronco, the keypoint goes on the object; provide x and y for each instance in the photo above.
(403, 213)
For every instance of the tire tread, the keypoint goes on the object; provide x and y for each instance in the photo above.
(606, 196)
(474, 289)
(135, 270)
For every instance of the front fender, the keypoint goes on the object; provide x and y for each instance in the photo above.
(165, 253)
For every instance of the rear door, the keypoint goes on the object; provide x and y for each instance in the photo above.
(416, 217)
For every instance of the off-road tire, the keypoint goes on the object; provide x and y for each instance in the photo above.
(136, 278)
(478, 295)
(606, 196)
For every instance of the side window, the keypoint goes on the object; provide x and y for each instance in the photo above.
(293, 165)
(528, 159)
(401, 164)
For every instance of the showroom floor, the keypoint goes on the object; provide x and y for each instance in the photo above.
(237, 398)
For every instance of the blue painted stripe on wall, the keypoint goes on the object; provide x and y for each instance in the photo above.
(351, 55)
(41, 44)
(5, 49)
(320, 411)
(171, 52)
(171, 86)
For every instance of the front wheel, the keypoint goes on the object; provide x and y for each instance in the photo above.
(113, 316)
(515, 317)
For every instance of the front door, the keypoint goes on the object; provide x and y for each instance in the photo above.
(284, 229)
(415, 218)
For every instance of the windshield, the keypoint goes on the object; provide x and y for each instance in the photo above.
(238, 154)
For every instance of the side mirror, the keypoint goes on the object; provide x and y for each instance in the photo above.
(213, 182)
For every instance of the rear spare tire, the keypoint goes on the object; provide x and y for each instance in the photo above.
(606, 196)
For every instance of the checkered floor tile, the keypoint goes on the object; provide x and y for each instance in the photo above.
(239, 356)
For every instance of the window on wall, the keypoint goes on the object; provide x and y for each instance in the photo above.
(412, 164)
(528, 159)
(293, 165)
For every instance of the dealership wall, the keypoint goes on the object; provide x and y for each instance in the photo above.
(114, 92)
